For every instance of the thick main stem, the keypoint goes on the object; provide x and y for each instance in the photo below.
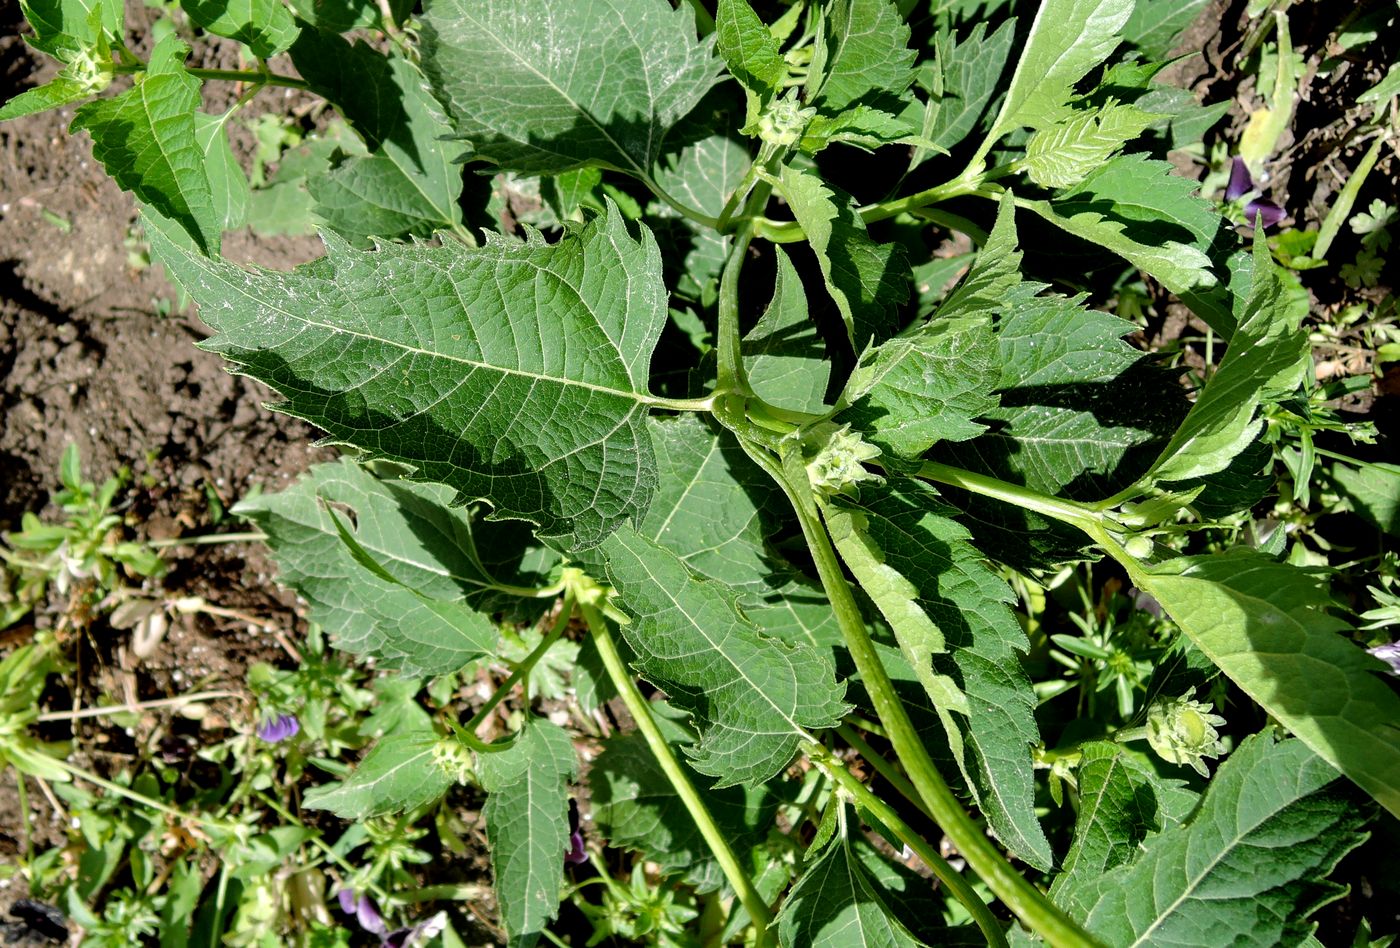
(1067, 511)
(640, 710)
(1028, 903)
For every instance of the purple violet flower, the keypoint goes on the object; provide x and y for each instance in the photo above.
(576, 854)
(1390, 654)
(419, 934)
(1259, 210)
(363, 908)
(279, 728)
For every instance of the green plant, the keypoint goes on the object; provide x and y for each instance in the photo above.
(780, 517)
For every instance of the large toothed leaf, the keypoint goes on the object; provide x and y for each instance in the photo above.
(1266, 359)
(1067, 39)
(515, 373)
(925, 386)
(411, 181)
(527, 824)
(66, 28)
(929, 564)
(635, 806)
(708, 503)
(422, 617)
(402, 771)
(752, 698)
(145, 138)
(962, 84)
(866, 280)
(1248, 867)
(749, 48)
(543, 86)
(1150, 217)
(865, 54)
(1264, 625)
(266, 26)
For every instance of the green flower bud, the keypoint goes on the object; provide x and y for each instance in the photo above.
(784, 122)
(453, 758)
(1182, 731)
(838, 465)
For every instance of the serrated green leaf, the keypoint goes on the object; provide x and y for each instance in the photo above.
(1067, 39)
(752, 699)
(749, 49)
(1263, 624)
(635, 806)
(343, 16)
(925, 386)
(1063, 154)
(785, 358)
(63, 28)
(266, 26)
(423, 617)
(227, 183)
(864, 127)
(993, 275)
(527, 824)
(1266, 358)
(401, 772)
(1372, 490)
(702, 176)
(708, 504)
(515, 373)
(1156, 25)
(964, 84)
(967, 603)
(866, 280)
(410, 183)
(866, 55)
(837, 903)
(540, 86)
(1138, 209)
(64, 89)
(1246, 869)
(1122, 801)
(145, 138)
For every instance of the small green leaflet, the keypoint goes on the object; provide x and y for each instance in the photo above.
(403, 771)
(1266, 359)
(73, 84)
(516, 372)
(838, 903)
(145, 138)
(422, 616)
(266, 26)
(866, 280)
(410, 182)
(1138, 209)
(784, 355)
(864, 56)
(1264, 625)
(527, 824)
(1122, 802)
(1247, 868)
(925, 386)
(1067, 39)
(1063, 154)
(750, 50)
(542, 86)
(636, 807)
(968, 637)
(752, 699)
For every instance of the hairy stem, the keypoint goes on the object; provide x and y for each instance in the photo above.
(640, 709)
(957, 885)
(729, 372)
(1027, 902)
(1066, 511)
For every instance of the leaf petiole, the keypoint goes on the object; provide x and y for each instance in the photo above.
(254, 76)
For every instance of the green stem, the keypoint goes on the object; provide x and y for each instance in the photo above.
(679, 404)
(958, 187)
(228, 75)
(1341, 208)
(729, 863)
(835, 768)
(1027, 902)
(729, 373)
(1066, 511)
(521, 670)
(251, 536)
(22, 798)
(883, 767)
(135, 797)
(684, 210)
